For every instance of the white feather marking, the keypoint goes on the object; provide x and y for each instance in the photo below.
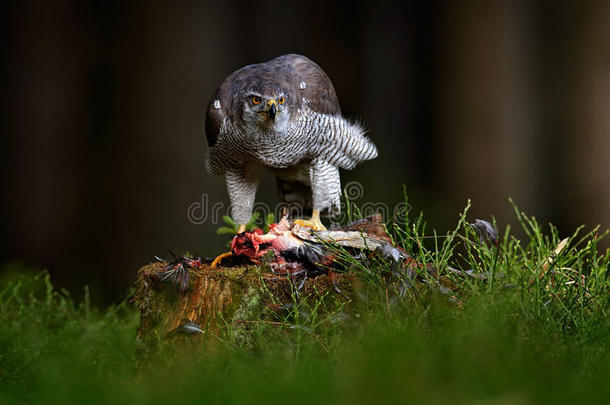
(303, 85)
(217, 104)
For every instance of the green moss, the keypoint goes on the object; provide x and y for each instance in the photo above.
(252, 289)
(250, 308)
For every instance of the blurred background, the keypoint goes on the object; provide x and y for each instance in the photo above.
(103, 144)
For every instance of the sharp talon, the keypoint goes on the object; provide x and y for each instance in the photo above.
(219, 258)
(310, 224)
(314, 223)
(242, 228)
(303, 222)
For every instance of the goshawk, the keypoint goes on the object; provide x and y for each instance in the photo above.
(283, 115)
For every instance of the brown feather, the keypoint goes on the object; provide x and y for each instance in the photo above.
(371, 225)
(319, 90)
(284, 72)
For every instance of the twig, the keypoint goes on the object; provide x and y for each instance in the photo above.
(550, 260)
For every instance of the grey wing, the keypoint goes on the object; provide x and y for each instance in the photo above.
(343, 144)
(213, 121)
(222, 106)
(218, 156)
(221, 110)
(311, 83)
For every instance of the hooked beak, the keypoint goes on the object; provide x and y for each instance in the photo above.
(272, 108)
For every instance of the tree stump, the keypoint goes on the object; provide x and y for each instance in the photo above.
(189, 298)
(219, 299)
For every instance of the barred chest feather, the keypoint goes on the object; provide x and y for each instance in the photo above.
(309, 136)
(278, 149)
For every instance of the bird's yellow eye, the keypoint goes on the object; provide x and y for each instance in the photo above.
(280, 100)
(256, 100)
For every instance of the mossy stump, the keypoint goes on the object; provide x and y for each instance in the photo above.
(219, 299)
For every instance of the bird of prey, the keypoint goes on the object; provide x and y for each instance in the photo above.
(283, 115)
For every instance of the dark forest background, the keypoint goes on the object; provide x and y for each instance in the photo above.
(103, 144)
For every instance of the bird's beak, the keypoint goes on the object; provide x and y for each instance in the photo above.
(272, 108)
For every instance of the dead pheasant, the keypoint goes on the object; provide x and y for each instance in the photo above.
(297, 250)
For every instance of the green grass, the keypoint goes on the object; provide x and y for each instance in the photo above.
(532, 333)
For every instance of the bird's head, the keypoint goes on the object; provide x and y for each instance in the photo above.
(267, 110)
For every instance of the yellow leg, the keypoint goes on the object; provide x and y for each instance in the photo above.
(219, 258)
(315, 218)
(314, 223)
